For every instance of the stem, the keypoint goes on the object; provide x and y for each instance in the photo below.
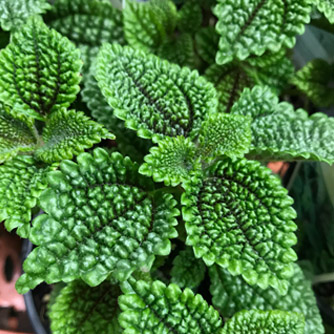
(324, 278)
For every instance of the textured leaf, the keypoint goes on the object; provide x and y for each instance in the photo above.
(225, 134)
(256, 26)
(153, 96)
(187, 271)
(231, 79)
(190, 17)
(315, 80)
(240, 217)
(171, 161)
(39, 69)
(207, 41)
(68, 133)
(327, 8)
(88, 23)
(268, 322)
(232, 294)
(21, 182)
(281, 133)
(17, 134)
(147, 25)
(14, 13)
(85, 310)
(100, 220)
(157, 308)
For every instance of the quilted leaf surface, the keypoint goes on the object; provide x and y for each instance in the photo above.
(88, 23)
(101, 219)
(152, 96)
(253, 27)
(281, 133)
(190, 17)
(207, 41)
(153, 307)
(15, 13)
(187, 271)
(315, 80)
(17, 134)
(327, 8)
(39, 69)
(240, 217)
(232, 294)
(268, 322)
(21, 182)
(86, 310)
(68, 133)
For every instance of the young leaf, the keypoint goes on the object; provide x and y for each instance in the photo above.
(147, 25)
(157, 308)
(268, 322)
(68, 133)
(190, 17)
(88, 23)
(225, 134)
(17, 133)
(327, 8)
(240, 217)
(255, 26)
(315, 80)
(15, 13)
(281, 133)
(154, 97)
(207, 41)
(100, 219)
(21, 182)
(232, 294)
(82, 309)
(39, 69)
(171, 161)
(187, 271)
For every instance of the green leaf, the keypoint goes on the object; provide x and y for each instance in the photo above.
(171, 161)
(88, 23)
(190, 17)
(39, 69)
(21, 182)
(187, 271)
(159, 99)
(15, 13)
(327, 8)
(157, 308)
(240, 217)
(281, 133)
(147, 25)
(315, 80)
(101, 219)
(17, 134)
(82, 309)
(253, 27)
(207, 41)
(68, 133)
(268, 322)
(231, 79)
(232, 294)
(225, 134)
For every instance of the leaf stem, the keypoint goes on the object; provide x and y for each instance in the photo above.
(324, 278)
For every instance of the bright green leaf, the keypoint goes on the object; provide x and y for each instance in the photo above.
(171, 161)
(255, 26)
(68, 133)
(225, 134)
(265, 322)
(21, 182)
(85, 310)
(232, 294)
(327, 8)
(152, 96)
(240, 217)
(101, 219)
(157, 308)
(39, 69)
(14, 13)
(281, 133)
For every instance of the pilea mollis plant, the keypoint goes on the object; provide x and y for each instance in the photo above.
(150, 188)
